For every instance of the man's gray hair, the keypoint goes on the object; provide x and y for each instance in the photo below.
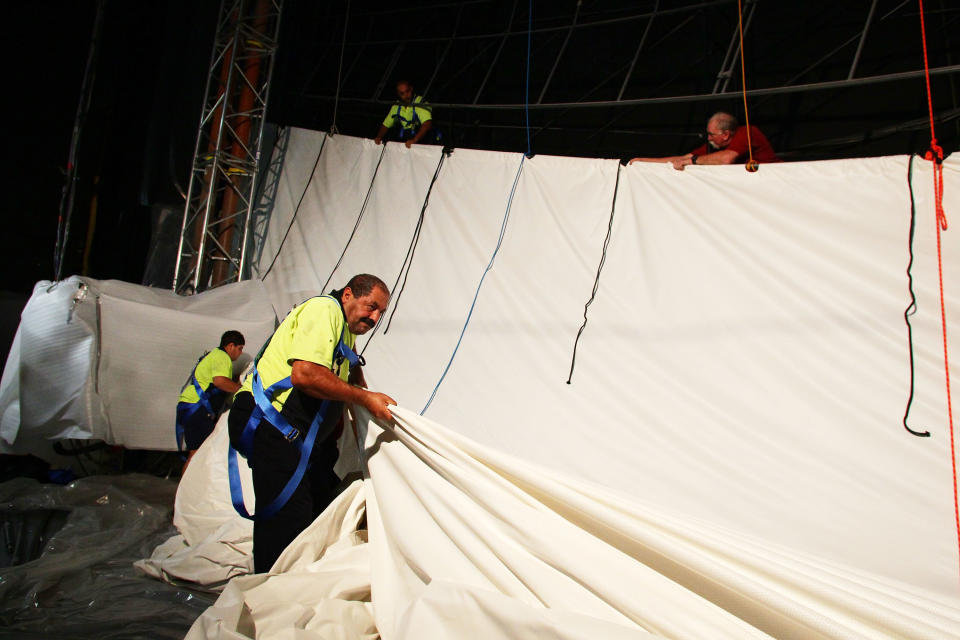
(724, 121)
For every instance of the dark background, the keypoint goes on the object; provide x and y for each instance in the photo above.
(153, 58)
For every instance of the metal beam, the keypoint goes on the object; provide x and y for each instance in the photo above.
(692, 8)
(863, 38)
(563, 47)
(705, 97)
(443, 56)
(496, 57)
(733, 55)
(636, 55)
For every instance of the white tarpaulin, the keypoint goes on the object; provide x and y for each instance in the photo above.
(728, 458)
(704, 438)
(106, 359)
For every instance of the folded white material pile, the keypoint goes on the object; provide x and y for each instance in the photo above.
(465, 542)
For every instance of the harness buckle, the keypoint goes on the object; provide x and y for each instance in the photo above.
(292, 435)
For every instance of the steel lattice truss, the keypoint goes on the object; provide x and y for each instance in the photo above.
(220, 199)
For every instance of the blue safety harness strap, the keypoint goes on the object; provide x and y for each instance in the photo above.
(264, 409)
(411, 126)
(203, 402)
(306, 448)
(408, 127)
(345, 352)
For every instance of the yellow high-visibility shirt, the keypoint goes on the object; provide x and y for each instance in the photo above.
(310, 332)
(405, 114)
(216, 363)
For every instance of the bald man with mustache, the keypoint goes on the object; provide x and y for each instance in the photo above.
(307, 371)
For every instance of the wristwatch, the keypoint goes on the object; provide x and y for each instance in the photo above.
(693, 158)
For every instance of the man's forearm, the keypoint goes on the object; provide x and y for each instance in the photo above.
(663, 159)
(225, 384)
(424, 128)
(320, 382)
(723, 156)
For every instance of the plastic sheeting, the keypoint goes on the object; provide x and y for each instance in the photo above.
(107, 359)
(82, 583)
(728, 458)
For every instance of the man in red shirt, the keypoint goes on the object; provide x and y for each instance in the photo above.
(726, 144)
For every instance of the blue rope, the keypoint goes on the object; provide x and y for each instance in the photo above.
(503, 228)
(527, 97)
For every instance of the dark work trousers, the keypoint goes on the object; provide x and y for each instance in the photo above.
(197, 427)
(273, 462)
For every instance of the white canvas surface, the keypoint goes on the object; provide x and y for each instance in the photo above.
(745, 365)
(728, 459)
(50, 378)
(107, 359)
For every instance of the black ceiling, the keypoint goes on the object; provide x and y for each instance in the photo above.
(136, 143)
(818, 88)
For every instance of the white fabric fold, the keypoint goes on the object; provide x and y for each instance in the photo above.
(729, 458)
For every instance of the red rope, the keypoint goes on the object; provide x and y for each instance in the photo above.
(751, 164)
(935, 155)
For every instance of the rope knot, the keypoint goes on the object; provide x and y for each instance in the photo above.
(935, 153)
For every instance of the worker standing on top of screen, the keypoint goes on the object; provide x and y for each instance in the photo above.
(410, 120)
(727, 143)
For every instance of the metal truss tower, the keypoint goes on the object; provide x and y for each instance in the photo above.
(216, 219)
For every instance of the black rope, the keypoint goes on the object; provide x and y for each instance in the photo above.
(343, 43)
(359, 218)
(912, 307)
(596, 281)
(296, 210)
(408, 260)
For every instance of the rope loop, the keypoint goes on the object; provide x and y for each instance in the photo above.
(935, 155)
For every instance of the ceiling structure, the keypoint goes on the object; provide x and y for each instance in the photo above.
(619, 78)
(608, 78)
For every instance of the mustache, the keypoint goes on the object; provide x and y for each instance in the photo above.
(368, 322)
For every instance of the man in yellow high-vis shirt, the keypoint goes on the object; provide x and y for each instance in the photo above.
(203, 396)
(286, 417)
(410, 120)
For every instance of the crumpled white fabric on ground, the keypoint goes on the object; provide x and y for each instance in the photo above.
(468, 542)
(319, 587)
(214, 543)
(444, 508)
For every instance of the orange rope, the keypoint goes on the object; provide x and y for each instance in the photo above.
(935, 155)
(751, 165)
